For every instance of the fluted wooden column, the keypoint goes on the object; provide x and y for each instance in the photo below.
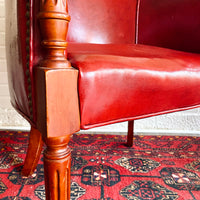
(57, 161)
(56, 98)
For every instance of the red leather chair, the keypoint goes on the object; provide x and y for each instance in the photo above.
(114, 70)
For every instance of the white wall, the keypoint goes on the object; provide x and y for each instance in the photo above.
(187, 121)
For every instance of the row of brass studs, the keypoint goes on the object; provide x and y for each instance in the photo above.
(28, 75)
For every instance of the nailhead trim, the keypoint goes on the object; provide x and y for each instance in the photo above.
(30, 103)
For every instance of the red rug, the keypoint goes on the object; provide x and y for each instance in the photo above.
(103, 168)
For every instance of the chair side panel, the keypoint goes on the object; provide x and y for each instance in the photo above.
(171, 24)
(18, 48)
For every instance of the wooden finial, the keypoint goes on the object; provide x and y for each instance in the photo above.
(54, 21)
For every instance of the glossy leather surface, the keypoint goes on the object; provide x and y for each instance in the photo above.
(172, 24)
(125, 82)
(16, 55)
(102, 21)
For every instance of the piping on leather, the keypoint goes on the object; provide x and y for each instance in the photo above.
(137, 21)
(88, 126)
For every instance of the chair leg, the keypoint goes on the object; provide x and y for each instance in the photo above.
(130, 133)
(33, 153)
(57, 163)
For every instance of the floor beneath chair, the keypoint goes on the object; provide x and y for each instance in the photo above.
(103, 168)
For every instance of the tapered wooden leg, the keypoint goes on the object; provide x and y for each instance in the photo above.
(58, 117)
(33, 153)
(130, 133)
(57, 162)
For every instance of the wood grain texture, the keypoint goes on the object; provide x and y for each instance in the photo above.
(56, 98)
(57, 162)
(33, 153)
(54, 18)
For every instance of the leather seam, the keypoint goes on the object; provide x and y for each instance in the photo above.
(89, 126)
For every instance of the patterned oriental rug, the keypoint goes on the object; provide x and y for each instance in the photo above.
(103, 168)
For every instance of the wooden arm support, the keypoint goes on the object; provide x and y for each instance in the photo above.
(54, 20)
(56, 98)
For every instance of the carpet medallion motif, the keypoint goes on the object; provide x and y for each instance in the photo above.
(140, 190)
(137, 164)
(181, 179)
(40, 192)
(195, 165)
(3, 187)
(10, 159)
(103, 168)
(100, 175)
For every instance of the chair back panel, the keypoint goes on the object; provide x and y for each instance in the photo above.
(102, 21)
(172, 24)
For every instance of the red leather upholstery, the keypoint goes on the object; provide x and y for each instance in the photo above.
(173, 24)
(118, 79)
(125, 82)
(102, 21)
(19, 57)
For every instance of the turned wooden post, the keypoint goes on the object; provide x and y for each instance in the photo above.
(56, 98)
(54, 20)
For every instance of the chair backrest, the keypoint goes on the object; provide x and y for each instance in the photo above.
(102, 21)
(172, 24)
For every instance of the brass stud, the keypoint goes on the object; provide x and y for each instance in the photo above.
(27, 48)
(28, 5)
(30, 103)
(28, 57)
(27, 40)
(30, 98)
(28, 31)
(27, 73)
(27, 65)
(28, 23)
(29, 88)
(29, 80)
(27, 14)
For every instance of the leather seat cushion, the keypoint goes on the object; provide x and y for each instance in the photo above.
(125, 82)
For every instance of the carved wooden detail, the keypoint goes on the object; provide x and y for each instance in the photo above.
(54, 20)
(57, 162)
(59, 3)
(57, 118)
(56, 98)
